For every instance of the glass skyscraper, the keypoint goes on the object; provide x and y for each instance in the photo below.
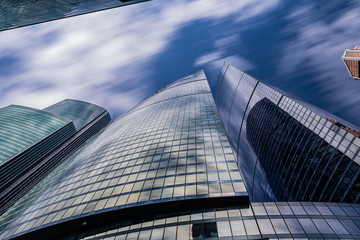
(34, 141)
(165, 170)
(168, 152)
(18, 13)
(287, 149)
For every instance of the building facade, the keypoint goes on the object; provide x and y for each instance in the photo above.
(165, 170)
(168, 152)
(287, 149)
(267, 220)
(16, 13)
(351, 58)
(34, 141)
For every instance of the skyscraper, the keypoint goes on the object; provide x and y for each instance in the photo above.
(34, 141)
(165, 170)
(351, 58)
(168, 152)
(16, 14)
(286, 148)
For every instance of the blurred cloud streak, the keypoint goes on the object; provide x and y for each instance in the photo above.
(103, 57)
(320, 41)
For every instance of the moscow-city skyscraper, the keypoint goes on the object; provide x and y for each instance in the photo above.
(287, 149)
(167, 170)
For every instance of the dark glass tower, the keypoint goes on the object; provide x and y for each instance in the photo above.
(165, 170)
(286, 148)
(34, 141)
(15, 13)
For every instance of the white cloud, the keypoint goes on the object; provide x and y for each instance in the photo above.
(207, 58)
(227, 41)
(88, 57)
(257, 7)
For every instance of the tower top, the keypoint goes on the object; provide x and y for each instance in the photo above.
(351, 59)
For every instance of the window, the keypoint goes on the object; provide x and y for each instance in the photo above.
(204, 230)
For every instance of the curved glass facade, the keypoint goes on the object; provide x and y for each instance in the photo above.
(281, 220)
(26, 135)
(169, 150)
(79, 112)
(22, 127)
(286, 148)
(33, 142)
(15, 13)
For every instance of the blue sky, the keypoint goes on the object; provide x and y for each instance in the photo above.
(116, 58)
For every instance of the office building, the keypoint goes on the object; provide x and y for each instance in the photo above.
(168, 152)
(287, 149)
(351, 58)
(34, 141)
(16, 13)
(165, 170)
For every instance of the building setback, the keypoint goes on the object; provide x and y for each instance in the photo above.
(165, 170)
(287, 149)
(34, 141)
(351, 58)
(16, 14)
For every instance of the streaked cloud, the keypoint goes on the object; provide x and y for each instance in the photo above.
(103, 57)
(227, 41)
(319, 40)
(207, 58)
